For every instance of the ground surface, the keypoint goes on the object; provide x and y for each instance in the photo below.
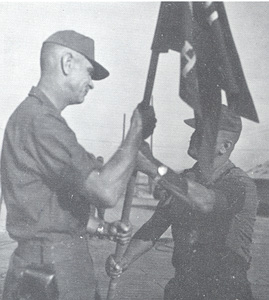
(146, 279)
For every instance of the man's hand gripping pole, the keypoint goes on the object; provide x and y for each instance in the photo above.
(131, 185)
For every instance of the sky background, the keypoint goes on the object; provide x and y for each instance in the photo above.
(123, 33)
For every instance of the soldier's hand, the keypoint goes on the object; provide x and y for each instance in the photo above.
(113, 269)
(159, 193)
(148, 120)
(120, 232)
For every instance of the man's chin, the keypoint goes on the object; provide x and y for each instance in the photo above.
(192, 155)
(78, 101)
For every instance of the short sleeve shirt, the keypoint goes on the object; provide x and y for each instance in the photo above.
(43, 168)
(203, 239)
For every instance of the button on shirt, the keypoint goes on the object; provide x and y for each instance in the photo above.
(43, 168)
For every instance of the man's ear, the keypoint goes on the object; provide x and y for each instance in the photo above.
(225, 146)
(66, 63)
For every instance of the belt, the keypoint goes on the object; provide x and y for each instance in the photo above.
(35, 251)
(44, 251)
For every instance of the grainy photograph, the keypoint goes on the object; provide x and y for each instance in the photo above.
(134, 141)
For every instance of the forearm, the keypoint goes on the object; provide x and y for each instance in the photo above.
(120, 167)
(147, 235)
(194, 194)
(110, 181)
(175, 183)
(135, 249)
(149, 165)
(229, 196)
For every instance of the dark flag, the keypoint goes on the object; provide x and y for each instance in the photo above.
(209, 63)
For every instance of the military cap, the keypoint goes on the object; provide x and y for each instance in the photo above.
(228, 121)
(81, 44)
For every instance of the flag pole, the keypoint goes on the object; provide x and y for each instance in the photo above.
(123, 127)
(150, 181)
(120, 249)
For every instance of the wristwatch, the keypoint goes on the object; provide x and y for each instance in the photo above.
(100, 231)
(161, 171)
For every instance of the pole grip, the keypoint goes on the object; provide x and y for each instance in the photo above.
(120, 249)
(150, 79)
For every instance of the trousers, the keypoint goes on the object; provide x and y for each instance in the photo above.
(223, 286)
(71, 261)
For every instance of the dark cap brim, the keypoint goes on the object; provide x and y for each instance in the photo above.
(190, 122)
(99, 71)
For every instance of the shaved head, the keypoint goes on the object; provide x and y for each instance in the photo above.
(50, 57)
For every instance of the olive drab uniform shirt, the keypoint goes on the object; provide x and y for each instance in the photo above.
(201, 241)
(43, 168)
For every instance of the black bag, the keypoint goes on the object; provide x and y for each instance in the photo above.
(38, 282)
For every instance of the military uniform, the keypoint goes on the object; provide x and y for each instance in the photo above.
(43, 168)
(211, 251)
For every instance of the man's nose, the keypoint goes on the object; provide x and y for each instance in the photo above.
(193, 152)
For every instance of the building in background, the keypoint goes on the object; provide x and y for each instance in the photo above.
(260, 174)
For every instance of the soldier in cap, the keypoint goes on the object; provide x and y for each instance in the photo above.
(211, 220)
(50, 181)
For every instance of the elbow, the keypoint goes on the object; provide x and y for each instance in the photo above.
(109, 198)
(100, 191)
